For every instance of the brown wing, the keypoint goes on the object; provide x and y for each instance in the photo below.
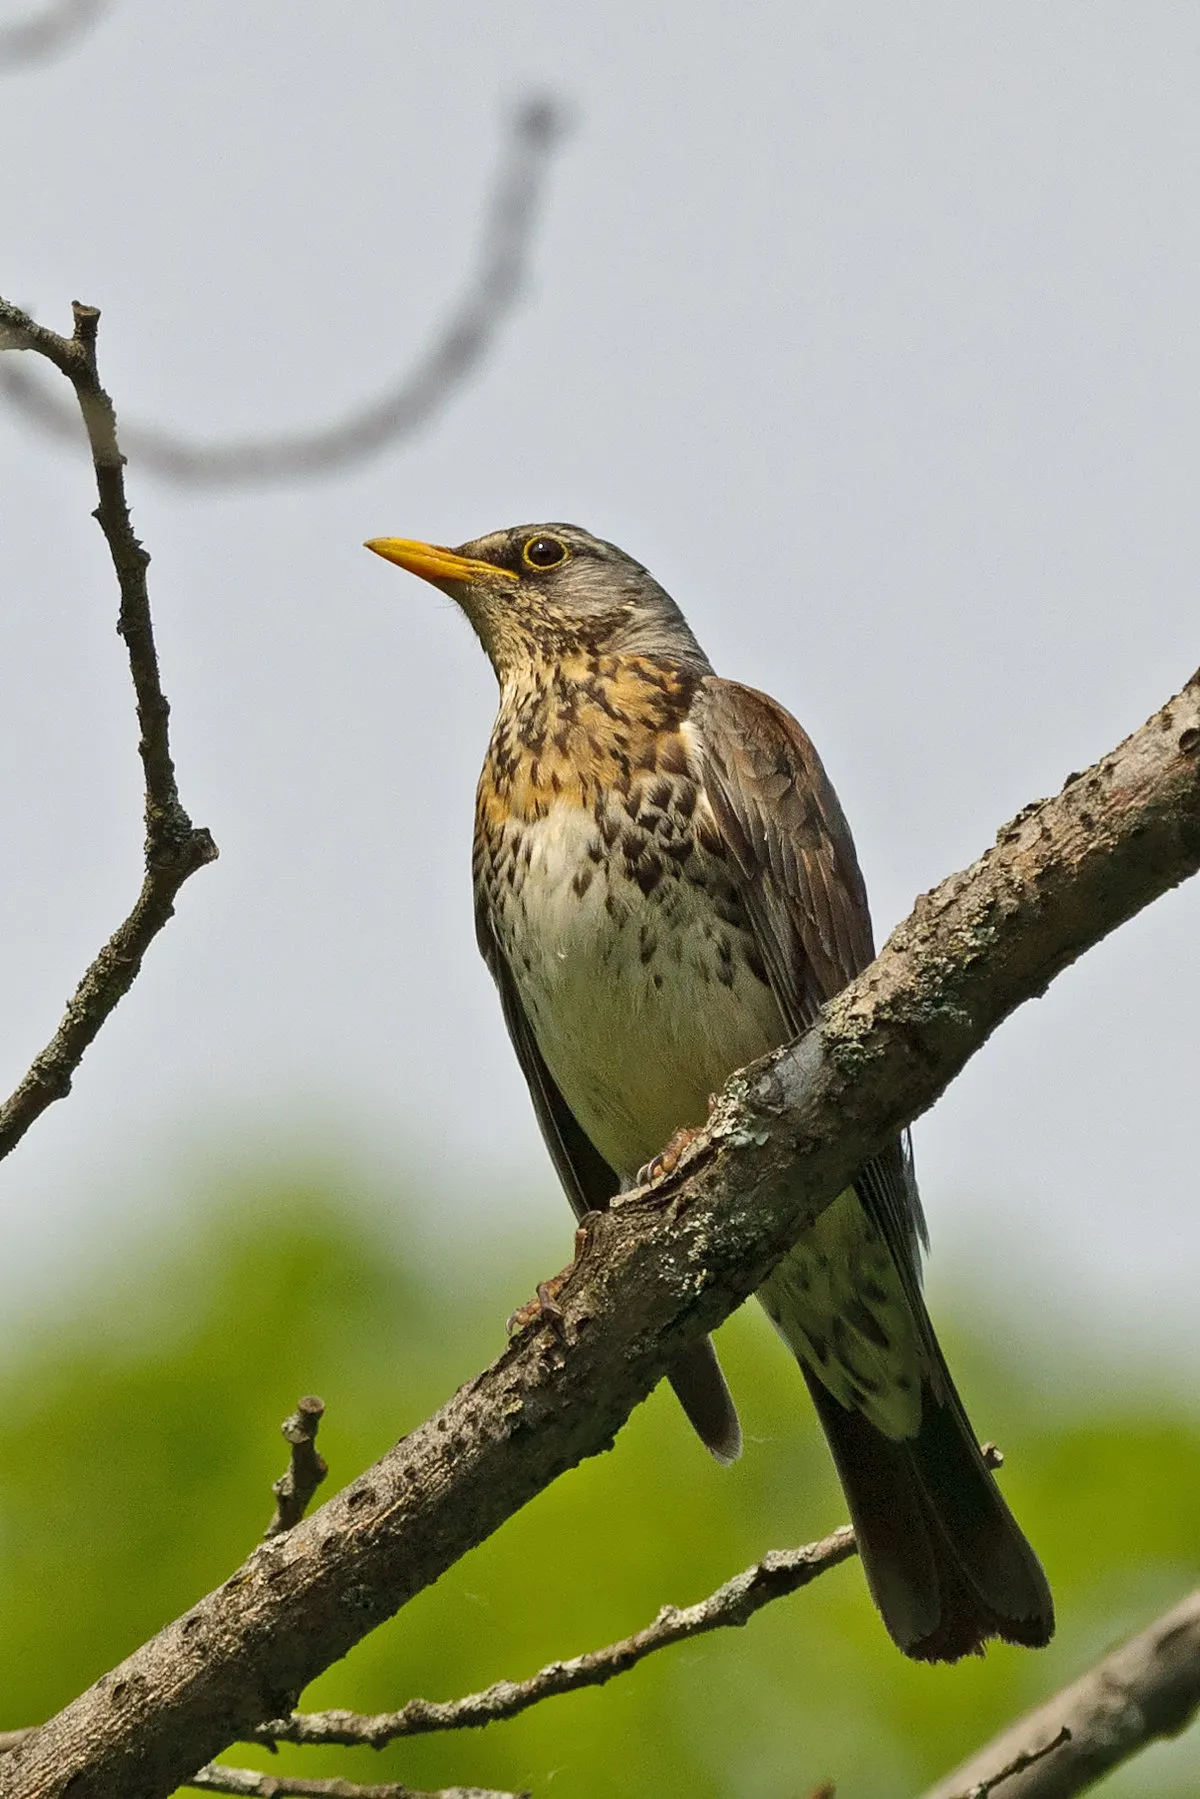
(800, 882)
(789, 839)
(944, 1557)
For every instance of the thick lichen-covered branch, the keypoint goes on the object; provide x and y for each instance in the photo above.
(662, 1268)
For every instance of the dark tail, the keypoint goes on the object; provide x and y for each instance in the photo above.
(944, 1557)
(701, 1391)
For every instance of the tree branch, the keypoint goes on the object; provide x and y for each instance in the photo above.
(458, 349)
(659, 1270)
(175, 848)
(1147, 1689)
(217, 1778)
(306, 1468)
(46, 34)
(780, 1572)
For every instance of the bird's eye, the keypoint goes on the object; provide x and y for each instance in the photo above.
(544, 552)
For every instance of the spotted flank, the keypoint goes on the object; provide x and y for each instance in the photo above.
(838, 1303)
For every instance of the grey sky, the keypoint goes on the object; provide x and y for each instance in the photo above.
(875, 331)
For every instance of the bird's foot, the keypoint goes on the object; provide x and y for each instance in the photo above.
(668, 1159)
(543, 1308)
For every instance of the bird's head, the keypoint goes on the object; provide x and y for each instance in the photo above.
(538, 593)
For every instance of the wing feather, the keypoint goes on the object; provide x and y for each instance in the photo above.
(804, 895)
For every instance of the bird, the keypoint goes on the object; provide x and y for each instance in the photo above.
(666, 889)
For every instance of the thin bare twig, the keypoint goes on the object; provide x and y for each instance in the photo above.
(306, 1468)
(175, 848)
(217, 1778)
(46, 34)
(779, 1573)
(458, 349)
(1147, 1689)
(1025, 1758)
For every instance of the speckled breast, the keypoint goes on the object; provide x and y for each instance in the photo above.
(606, 888)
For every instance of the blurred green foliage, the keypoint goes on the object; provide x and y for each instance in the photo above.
(141, 1441)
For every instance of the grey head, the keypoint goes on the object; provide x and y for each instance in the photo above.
(538, 593)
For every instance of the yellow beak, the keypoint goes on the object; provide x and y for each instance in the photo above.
(435, 563)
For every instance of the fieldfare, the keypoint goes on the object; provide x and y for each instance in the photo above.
(666, 889)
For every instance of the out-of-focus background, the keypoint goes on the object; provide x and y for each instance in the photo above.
(874, 333)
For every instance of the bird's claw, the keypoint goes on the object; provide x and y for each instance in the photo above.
(668, 1158)
(543, 1308)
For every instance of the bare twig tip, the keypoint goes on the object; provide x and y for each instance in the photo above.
(306, 1469)
(87, 323)
(543, 120)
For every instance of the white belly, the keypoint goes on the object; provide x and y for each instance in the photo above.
(642, 1004)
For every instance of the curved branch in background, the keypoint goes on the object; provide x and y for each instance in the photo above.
(657, 1272)
(175, 848)
(456, 352)
(1147, 1689)
(47, 34)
